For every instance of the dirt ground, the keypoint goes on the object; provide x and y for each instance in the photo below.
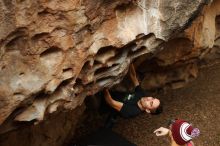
(198, 102)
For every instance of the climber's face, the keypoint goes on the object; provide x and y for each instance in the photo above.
(149, 103)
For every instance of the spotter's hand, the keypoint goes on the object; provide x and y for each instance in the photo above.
(161, 131)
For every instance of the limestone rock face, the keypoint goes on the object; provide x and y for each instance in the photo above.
(55, 53)
(177, 63)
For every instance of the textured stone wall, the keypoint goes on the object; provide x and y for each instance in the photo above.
(180, 58)
(55, 53)
(56, 130)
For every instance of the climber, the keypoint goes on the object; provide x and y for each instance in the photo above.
(180, 133)
(132, 104)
